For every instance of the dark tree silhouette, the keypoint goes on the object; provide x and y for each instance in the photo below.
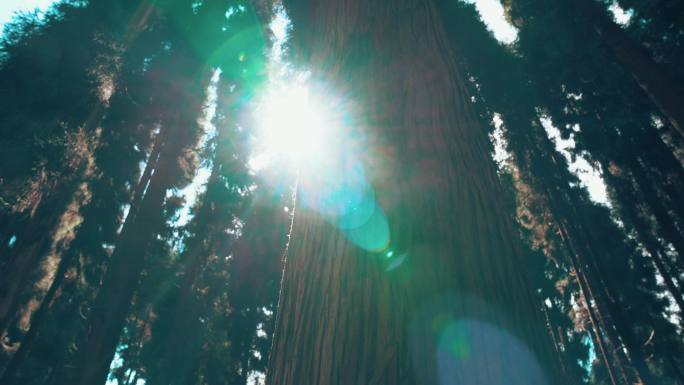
(480, 275)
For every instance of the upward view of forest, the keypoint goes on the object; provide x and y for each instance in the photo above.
(342, 192)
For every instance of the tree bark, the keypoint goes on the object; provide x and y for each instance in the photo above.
(344, 316)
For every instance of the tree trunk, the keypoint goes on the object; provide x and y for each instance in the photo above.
(47, 226)
(654, 78)
(607, 310)
(665, 221)
(144, 181)
(556, 341)
(453, 286)
(9, 376)
(184, 321)
(659, 260)
(575, 234)
(596, 329)
(184, 81)
(49, 218)
(108, 314)
(667, 173)
(646, 235)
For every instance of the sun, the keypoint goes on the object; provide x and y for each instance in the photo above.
(306, 133)
(293, 125)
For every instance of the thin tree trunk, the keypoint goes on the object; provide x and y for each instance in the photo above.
(182, 328)
(616, 326)
(592, 305)
(113, 300)
(598, 336)
(648, 239)
(659, 260)
(664, 219)
(556, 342)
(581, 249)
(617, 347)
(144, 181)
(669, 177)
(344, 316)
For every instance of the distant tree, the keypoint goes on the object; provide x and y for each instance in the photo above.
(180, 75)
(656, 80)
(202, 301)
(585, 94)
(101, 114)
(179, 82)
(59, 148)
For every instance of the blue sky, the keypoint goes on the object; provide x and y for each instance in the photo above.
(9, 7)
(492, 13)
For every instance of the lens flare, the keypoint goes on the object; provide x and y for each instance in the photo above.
(302, 130)
(472, 343)
(293, 126)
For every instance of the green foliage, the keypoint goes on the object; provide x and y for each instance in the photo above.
(102, 98)
(573, 78)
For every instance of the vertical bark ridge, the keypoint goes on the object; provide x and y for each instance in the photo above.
(342, 317)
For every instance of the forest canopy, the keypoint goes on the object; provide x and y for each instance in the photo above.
(338, 192)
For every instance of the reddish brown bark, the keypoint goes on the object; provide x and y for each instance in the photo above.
(343, 318)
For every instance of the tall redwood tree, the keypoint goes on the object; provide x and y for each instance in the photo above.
(447, 300)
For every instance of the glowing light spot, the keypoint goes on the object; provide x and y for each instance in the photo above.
(301, 129)
(12, 241)
(294, 126)
(622, 16)
(374, 235)
(476, 352)
(472, 342)
(396, 262)
(493, 15)
(342, 194)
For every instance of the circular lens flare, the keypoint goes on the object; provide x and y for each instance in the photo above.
(304, 131)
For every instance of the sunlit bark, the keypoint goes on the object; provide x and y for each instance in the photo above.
(345, 318)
